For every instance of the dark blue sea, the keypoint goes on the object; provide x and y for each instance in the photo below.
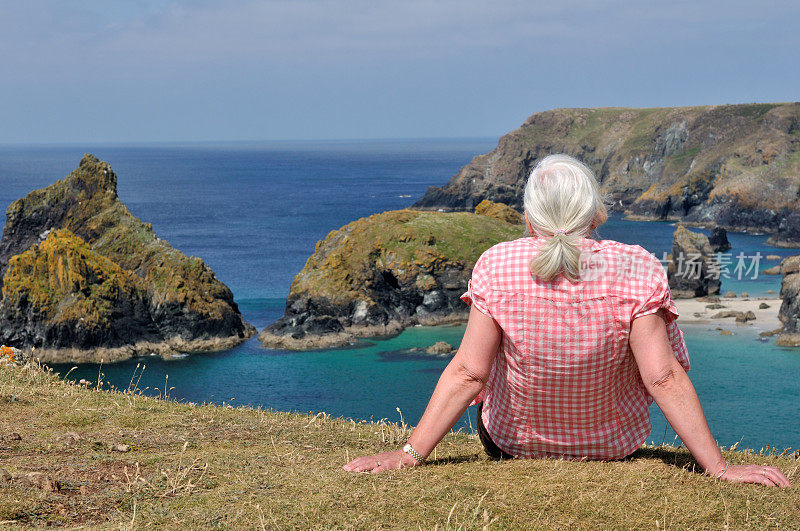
(254, 211)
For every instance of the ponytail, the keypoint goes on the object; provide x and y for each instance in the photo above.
(558, 254)
(562, 204)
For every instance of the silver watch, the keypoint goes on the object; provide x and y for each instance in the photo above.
(413, 453)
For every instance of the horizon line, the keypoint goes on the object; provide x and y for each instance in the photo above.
(121, 143)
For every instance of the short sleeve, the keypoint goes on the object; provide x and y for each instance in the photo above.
(478, 289)
(656, 296)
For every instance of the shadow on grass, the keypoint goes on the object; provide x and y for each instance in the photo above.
(457, 459)
(670, 455)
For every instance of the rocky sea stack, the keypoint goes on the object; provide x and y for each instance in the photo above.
(85, 280)
(719, 240)
(790, 308)
(692, 267)
(734, 166)
(380, 274)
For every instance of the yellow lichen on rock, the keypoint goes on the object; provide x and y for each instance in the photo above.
(499, 211)
(64, 280)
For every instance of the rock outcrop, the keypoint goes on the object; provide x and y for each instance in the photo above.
(440, 348)
(719, 240)
(692, 267)
(740, 317)
(11, 355)
(790, 307)
(499, 211)
(84, 280)
(379, 274)
(733, 166)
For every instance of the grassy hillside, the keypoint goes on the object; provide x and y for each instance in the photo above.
(118, 459)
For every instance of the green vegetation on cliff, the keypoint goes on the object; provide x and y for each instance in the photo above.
(379, 274)
(412, 245)
(82, 275)
(62, 279)
(736, 166)
(86, 203)
(79, 456)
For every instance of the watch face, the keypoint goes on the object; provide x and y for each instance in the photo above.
(413, 453)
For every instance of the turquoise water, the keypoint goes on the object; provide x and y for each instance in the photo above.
(254, 212)
(749, 389)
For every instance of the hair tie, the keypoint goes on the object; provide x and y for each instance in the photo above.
(559, 231)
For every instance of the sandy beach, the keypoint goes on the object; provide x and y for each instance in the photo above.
(697, 311)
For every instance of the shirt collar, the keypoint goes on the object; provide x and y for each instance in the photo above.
(594, 245)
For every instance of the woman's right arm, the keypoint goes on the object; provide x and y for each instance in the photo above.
(670, 387)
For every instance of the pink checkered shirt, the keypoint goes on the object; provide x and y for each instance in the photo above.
(564, 382)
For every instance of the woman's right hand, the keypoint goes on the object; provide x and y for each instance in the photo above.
(765, 475)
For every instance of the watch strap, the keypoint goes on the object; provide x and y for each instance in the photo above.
(413, 453)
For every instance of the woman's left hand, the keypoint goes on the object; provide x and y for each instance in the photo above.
(381, 462)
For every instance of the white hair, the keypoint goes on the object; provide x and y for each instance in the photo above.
(562, 203)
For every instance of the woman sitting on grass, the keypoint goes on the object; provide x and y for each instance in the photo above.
(568, 342)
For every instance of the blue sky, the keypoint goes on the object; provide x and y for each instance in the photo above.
(137, 70)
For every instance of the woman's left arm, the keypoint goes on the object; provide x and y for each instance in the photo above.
(460, 383)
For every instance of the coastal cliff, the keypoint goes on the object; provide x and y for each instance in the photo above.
(380, 274)
(85, 280)
(734, 166)
(790, 308)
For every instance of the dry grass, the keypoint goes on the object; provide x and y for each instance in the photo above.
(194, 466)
